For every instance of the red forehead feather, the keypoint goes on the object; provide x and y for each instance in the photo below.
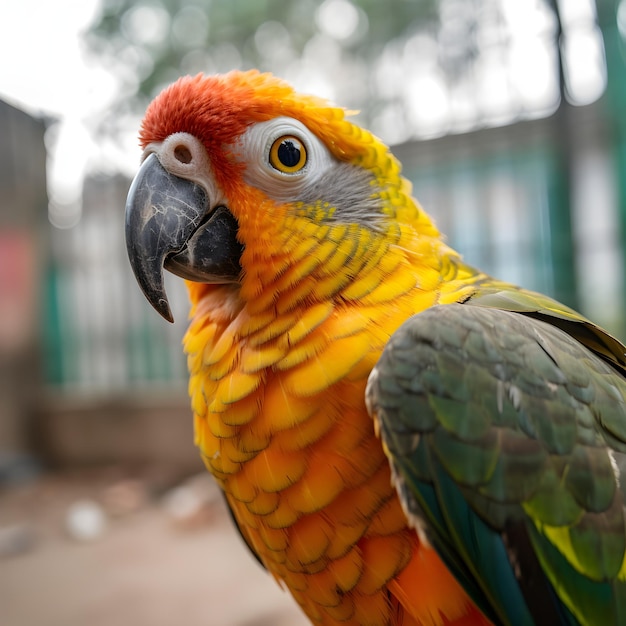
(217, 109)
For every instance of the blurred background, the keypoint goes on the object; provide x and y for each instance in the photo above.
(509, 119)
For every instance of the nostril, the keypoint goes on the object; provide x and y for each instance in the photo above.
(183, 154)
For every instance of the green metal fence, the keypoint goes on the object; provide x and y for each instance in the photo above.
(100, 333)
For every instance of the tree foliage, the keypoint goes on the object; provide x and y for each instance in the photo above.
(157, 40)
(412, 67)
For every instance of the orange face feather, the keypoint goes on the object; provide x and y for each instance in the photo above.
(279, 360)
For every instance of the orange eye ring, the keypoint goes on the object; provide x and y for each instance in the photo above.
(288, 155)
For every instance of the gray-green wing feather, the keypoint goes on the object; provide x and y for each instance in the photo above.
(507, 438)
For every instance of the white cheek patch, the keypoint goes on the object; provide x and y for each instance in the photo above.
(253, 150)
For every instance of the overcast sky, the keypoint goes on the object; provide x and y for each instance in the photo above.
(46, 72)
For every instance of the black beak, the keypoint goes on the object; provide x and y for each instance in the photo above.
(168, 224)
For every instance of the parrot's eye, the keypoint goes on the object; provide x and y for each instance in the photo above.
(288, 155)
(282, 157)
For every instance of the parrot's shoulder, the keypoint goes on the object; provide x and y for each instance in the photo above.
(536, 305)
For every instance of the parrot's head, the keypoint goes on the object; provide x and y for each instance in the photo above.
(246, 183)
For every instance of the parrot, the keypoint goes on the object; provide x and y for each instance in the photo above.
(401, 438)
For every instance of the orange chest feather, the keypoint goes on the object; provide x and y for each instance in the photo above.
(281, 423)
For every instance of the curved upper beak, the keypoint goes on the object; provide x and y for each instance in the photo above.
(169, 224)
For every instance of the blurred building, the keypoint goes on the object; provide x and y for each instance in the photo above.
(23, 210)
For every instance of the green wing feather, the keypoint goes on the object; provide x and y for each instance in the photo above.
(504, 419)
(504, 297)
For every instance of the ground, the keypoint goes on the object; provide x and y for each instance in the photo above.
(161, 558)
